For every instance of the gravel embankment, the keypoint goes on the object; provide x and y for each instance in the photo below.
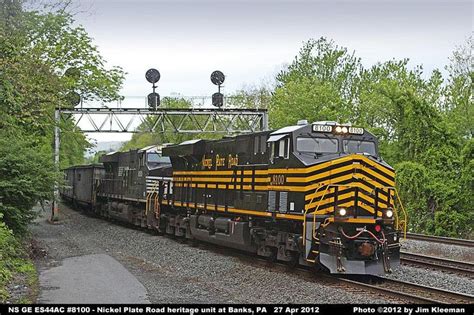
(455, 252)
(434, 278)
(178, 273)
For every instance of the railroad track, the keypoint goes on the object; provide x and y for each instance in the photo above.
(444, 264)
(412, 292)
(401, 290)
(379, 286)
(440, 239)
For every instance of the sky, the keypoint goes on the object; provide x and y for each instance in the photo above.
(251, 41)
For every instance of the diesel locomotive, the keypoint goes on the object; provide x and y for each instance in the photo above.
(314, 194)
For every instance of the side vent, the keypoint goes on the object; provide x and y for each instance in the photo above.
(283, 201)
(271, 201)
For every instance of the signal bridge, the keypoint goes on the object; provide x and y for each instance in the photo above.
(164, 120)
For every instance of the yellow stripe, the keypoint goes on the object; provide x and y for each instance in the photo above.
(380, 167)
(213, 186)
(366, 189)
(228, 172)
(354, 157)
(267, 214)
(388, 181)
(320, 175)
(309, 169)
(325, 201)
(222, 179)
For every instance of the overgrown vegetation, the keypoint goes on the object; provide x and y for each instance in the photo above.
(43, 58)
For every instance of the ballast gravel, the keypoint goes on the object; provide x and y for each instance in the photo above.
(173, 272)
(456, 252)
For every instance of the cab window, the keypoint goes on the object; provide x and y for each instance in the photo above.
(316, 145)
(282, 148)
(359, 146)
(279, 146)
(157, 158)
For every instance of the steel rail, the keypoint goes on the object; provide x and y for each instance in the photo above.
(441, 239)
(439, 263)
(414, 292)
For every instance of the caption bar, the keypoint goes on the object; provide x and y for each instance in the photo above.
(241, 309)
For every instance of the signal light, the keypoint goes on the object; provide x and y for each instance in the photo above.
(217, 78)
(378, 228)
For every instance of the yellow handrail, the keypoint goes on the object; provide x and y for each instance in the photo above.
(306, 211)
(149, 196)
(405, 215)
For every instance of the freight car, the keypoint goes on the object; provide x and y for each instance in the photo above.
(315, 194)
(81, 184)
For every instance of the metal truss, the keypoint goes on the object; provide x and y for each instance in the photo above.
(165, 120)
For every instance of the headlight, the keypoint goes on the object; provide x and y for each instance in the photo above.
(389, 213)
(338, 129)
(344, 129)
(342, 212)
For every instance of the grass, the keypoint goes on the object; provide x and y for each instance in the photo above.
(16, 268)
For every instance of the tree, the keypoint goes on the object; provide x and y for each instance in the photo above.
(43, 57)
(145, 138)
(320, 84)
(459, 107)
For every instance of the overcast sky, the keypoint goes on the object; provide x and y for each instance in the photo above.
(250, 41)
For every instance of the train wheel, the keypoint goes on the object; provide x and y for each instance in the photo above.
(295, 257)
(273, 255)
(194, 242)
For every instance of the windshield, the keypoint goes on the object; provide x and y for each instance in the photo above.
(157, 158)
(317, 145)
(359, 146)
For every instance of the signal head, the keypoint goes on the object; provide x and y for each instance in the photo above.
(153, 100)
(217, 77)
(218, 99)
(152, 75)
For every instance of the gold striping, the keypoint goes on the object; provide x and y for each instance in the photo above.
(260, 213)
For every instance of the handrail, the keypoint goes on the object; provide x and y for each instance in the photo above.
(405, 215)
(399, 223)
(149, 196)
(306, 211)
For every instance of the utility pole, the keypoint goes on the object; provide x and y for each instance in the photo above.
(55, 204)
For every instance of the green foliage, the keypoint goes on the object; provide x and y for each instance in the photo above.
(320, 84)
(13, 260)
(26, 177)
(95, 158)
(43, 57)
(143, 139)
(254, 97)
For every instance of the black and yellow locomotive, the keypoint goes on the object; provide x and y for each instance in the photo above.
(315, 194)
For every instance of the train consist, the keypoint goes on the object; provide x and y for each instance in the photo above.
(315, 194)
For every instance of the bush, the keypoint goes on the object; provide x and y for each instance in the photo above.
(26, 177)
